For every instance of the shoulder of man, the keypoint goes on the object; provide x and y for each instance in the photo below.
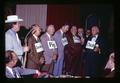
(43, 35)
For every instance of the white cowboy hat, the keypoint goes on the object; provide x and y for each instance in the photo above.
(12, 18)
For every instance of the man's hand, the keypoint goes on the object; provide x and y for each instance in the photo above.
(54, 57)
(82, 40)
(38, 72)
(26, 48)
(97, 49)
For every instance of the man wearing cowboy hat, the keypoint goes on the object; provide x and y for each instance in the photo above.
(12, 41)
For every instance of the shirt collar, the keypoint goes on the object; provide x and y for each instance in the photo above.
(96, 35)
(10, 69)
(48, 35)
(35, 36)
(13, 31)
(61, 31)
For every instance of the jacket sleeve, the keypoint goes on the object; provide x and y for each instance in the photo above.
(25, 71)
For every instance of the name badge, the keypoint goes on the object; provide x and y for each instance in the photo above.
(38, 47)
(76, 39)
(52, 44)
(64, 41)
(90, 44)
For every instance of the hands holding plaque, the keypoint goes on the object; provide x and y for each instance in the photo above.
(97, 49)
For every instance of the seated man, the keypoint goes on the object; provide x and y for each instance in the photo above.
(16, 72)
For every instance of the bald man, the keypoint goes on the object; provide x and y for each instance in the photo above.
(50, 49)
(95, 53)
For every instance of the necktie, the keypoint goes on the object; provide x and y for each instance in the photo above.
(63, 35)
(15, 74)
(17, 38)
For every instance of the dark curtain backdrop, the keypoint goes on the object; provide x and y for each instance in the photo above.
(63, 14)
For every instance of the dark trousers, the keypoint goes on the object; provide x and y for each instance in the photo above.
(48, 68)
(92, 64)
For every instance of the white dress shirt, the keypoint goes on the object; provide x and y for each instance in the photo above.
(11, 71)
(95, 37)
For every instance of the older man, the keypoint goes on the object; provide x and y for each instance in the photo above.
(61, 41)
(50, 49)
(12, 41)
(95, 53)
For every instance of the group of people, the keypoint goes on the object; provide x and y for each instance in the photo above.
(67, 51)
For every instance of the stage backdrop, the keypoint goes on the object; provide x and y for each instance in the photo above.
(32, 14)
(44, 15)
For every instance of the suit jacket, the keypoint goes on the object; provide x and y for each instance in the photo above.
(20, 71)
(72, 55)
(72, 48)
(11, 42)
(58, 37)
(48, 53)
(95, 57)
(33, 57)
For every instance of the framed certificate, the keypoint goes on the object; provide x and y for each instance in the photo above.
(76, 39)
(64, 41)
(38, 47)
(52, 44)
(90, 45)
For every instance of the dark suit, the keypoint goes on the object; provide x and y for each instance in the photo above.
(95, 62)
(72, 55)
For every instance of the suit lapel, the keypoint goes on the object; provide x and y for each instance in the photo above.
(16, 73)
(8, 74)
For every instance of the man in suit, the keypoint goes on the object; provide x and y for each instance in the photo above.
(35, 58)
(95, 54)
(59, 36)
(12, 41)
(16, 72)
(50, 49)
(73, 52)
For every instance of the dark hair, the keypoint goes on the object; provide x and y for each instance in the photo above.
(8, 56)
(11, 24)
(48, 26)
(34, 25)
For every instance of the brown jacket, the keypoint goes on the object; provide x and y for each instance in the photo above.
(72, 55)
(33, 58)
